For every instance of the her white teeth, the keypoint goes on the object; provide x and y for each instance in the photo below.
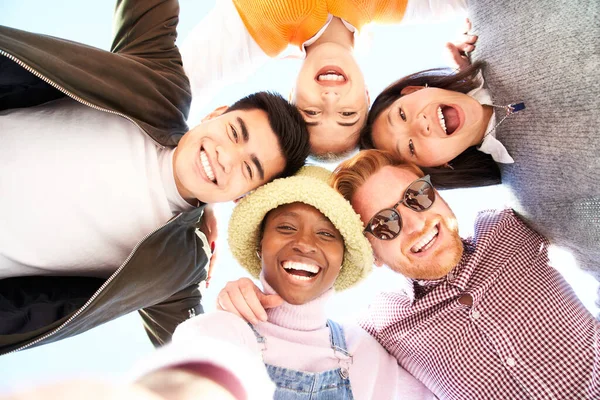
(331, 77)
(206, 165)
(426, 241)
(441, 118)
(301, 267)
(301, 278)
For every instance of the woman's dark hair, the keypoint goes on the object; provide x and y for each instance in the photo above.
(471, 168)
(468, 169)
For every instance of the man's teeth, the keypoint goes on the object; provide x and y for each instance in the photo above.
(330, 76)
(441, 118)
(426, 242)
(206, 165)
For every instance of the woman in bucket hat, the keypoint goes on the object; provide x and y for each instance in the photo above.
(304, 241)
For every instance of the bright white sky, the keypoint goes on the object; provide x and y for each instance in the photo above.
(110, 350)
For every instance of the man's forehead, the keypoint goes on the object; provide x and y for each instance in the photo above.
(385, 187)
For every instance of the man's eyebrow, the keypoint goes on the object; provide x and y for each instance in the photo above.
(259, 167)
(348, 123)
(245, 134)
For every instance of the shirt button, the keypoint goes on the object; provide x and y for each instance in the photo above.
(450, 276)
(511, 362)
(475, 314)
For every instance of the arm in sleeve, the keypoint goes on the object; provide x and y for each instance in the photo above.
(146, 28)
(234, 367)
(424, 11)
(161, 319)
(218, 52)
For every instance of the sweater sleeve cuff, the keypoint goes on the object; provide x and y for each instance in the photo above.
(235, 368)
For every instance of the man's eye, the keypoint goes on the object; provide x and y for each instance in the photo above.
(411, 147)
(402, 114)
(234, 133)
(310, 112)
(249, 170)
(348, 113)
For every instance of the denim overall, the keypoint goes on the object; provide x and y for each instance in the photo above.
(333, 384)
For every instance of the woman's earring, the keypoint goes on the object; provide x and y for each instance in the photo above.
(426, 85)
(258, 254)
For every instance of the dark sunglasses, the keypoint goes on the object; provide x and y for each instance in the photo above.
(387, 223)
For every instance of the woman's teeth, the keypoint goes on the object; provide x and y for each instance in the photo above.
(331, 76)
(206, 165)
(442, 120)
(300, 271)
(426, 242)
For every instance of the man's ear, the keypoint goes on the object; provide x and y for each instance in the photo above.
(215, 113)
(368, 98)
(410, 89)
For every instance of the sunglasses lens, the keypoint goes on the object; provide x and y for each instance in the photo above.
(419, 195)
(385, 225)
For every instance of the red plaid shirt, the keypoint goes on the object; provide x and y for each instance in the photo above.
(526, 335)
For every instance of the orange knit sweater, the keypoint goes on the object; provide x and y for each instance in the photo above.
(276, 23)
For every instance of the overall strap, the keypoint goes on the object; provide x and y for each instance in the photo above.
(340, 350)
(336, 336)
(260, 339)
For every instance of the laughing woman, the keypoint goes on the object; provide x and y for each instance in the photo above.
(444, 122)
(303, 240)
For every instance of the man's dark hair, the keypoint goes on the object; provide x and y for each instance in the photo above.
(470, 168)
(287, 123)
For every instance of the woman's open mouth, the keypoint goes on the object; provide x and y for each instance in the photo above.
(300, 271)
(449, 118)
(331, 76)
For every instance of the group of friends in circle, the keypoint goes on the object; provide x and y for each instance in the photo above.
(129, 191)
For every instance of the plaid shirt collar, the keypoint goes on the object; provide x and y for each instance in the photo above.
(459, 276)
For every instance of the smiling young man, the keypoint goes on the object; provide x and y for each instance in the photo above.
(487, 316)
(238, 36)
(110, 184)
(483, 317)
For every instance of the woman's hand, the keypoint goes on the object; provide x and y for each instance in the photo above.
(245, 299)
(458, 51)
(208, 226)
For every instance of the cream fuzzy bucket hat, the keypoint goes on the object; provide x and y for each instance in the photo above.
(310, 186)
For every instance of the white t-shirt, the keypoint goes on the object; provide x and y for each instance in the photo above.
(220, 51)
(79, 188)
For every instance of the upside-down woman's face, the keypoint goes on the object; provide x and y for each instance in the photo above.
(302, 252)
(430, 126)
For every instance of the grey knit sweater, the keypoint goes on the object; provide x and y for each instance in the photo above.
(547, 54)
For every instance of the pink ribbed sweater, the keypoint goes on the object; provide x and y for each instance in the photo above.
(297, 338)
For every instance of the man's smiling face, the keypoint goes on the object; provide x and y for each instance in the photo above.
(227, 156)
(428, 245)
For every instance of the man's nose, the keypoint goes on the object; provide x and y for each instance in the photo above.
(226, 156)
(412, 221)
(330, 97)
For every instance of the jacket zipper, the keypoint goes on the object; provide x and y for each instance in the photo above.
(72, 95)
(91, 299)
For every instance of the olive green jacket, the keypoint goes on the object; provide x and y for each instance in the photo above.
(140, 79)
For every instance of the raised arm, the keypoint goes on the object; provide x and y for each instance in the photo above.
(146, 28)
(218, 52)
